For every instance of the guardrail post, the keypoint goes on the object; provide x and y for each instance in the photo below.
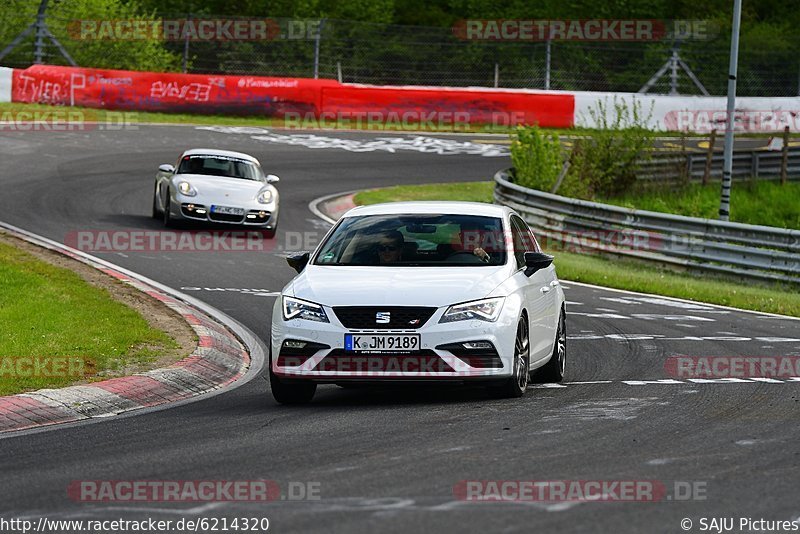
(785, 156)
(754, 165)
(709, 157)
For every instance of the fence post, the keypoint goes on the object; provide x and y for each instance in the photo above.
(709, 157)
(785, 156)
(339, 71)
(317, 39)
(186, 47)
(754, 164)
(496, 74)
(41, 32)
(547, 63)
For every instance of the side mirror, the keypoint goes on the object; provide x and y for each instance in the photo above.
(271, 179)
(535, 261)
(298, 261)
(167, 168)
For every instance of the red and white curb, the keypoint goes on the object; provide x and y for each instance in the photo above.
(219, 360)
(331, 208)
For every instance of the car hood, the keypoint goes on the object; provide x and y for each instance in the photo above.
(398, 286)
(220, 187)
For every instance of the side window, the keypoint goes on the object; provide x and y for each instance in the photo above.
(519, 237)
(530, 239)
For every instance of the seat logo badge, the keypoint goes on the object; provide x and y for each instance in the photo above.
(383, 317)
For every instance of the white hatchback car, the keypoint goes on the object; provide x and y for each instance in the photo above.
(420, 291)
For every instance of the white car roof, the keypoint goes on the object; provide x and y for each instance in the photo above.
(214, 152)
(443, 207)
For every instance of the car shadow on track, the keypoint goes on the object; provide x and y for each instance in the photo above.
(364, 396)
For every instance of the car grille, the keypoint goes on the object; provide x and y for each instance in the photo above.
(424, 361)
(400, 317)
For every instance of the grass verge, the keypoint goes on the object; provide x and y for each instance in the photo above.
(115, 119)
(616, 273)
(58, 329)
(763, 202)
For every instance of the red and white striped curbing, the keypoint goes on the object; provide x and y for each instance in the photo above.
(219, 359)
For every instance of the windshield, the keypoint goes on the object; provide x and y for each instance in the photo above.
(415, 240)
(220, 166)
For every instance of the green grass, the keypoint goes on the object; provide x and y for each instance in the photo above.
(617, 273)
(763, 202)
(469, 191)
(50, 314)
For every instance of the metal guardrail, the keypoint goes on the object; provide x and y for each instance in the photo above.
(752, 251)
(746, 164)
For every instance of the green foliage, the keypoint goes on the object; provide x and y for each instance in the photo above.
(537, 157)
(606, 163)
(62, 20)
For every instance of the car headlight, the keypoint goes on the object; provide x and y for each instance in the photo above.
(482, 310)
(186, 189)
(264, 197)
(301, 309)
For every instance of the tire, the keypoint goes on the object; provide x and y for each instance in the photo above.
(291, 392)
(515, 386)
(553, 370)
(156, 214)
(167, 211)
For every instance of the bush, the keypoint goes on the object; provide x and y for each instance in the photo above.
(537, 157)
(606, 163)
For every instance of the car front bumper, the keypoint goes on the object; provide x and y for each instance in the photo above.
(441, 354)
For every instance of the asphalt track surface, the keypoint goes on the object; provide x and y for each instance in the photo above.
(386, 459)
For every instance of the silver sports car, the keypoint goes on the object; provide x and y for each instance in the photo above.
(216, 186)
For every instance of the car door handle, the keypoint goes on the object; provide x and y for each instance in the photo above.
(554, 283)
(545, 289)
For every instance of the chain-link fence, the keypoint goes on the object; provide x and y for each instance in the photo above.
(371, 53)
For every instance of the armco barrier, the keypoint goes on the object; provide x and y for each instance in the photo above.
(752, 251)
(148, 91)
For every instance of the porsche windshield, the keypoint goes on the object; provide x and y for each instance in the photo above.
(220, 166)
(415, 240)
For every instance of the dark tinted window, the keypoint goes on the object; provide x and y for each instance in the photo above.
(415, 240)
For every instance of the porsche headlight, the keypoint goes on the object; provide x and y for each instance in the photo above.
(482, 310)
(301, 309)
(186, 189)
(264, 197)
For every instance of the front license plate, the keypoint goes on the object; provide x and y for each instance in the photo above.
(225, 210)
(381, 342)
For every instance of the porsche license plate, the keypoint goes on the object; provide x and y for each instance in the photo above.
(225, 210)
(381, 342)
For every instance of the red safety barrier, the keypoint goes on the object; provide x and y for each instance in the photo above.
(149, 91)
(441, 105)
(211, 94)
